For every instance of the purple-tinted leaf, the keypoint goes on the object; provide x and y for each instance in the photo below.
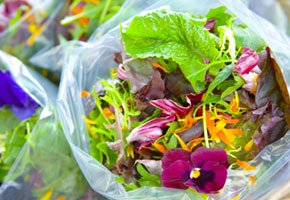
(177, 84)
(149, 131)
(156, 87)
(210, 24)
(170, 107)
(246, 99)
(194, 132)
(121, 72)
(247, 61)
(12, 6)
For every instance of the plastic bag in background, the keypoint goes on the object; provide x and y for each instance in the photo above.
(29, 26)
(45, 166)
(94, 61)
(275, 11)
(54, 57)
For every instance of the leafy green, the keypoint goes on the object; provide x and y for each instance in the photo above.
(223, 75)
(245, 37)
(171, 35)
(128, 186)
(221, 17)
(8, 120)
(147, 179)
(239, 82)
(226, 34)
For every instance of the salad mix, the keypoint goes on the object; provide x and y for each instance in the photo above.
(85, 15)
(193, 96)
(18, 113)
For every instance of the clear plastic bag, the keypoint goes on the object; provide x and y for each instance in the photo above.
(32, 29)
(96, 58)
(45, 163)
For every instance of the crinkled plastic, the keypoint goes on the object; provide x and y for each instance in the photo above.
(45, 162)
(96, 58)
(35, 31)
(53, 58)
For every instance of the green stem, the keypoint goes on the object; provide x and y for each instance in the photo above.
(105, 10)
(204, 126)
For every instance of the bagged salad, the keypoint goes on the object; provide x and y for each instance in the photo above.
(85, 16)
(194, 99)
(36, 161)
(26, 26)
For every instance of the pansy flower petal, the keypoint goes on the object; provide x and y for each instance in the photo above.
(202, 154)
(220, 177)
(172, 155)
(26, 112)
(176, 175)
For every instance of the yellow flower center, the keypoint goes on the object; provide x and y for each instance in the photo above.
(195, 173)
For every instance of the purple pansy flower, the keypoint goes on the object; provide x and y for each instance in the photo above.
(22, 105)
(205, 169)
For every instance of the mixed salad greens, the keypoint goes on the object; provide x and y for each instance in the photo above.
(85, 15)
(192, 97)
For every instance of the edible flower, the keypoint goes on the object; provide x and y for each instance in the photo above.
(20, 103)
(205, 169)
(216, 127)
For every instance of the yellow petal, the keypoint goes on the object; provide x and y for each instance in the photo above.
(47, 195)
(236, 197)
(35, 34)
(249, 145)
(245, 166)
(183, 145)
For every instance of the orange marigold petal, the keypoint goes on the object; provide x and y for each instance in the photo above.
(84, 21)
(160, 67)
(159, 147)
(85, 93)
(210, 125)
(60, 198)
(252, 178)
(224, 139)
(77, 10)
(232, 121)
(236, 131)
(245, 166)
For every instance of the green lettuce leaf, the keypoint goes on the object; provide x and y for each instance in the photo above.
(245, 37)
(172, 35)
(221, 17)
